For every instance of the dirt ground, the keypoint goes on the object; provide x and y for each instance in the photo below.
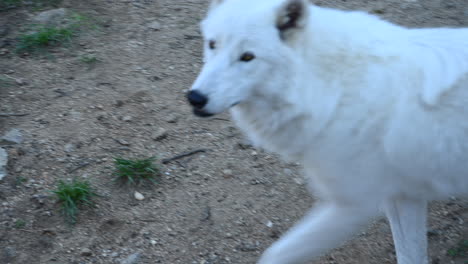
(225, 205)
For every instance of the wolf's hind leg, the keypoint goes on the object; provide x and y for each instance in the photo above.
(323, 228)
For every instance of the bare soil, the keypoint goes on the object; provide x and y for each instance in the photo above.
(225, 205)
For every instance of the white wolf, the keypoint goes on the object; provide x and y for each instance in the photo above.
(376, 113)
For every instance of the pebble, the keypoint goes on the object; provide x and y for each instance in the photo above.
(172, 119)
(154, 25)
(3, 163)
(14, 136)
(69, 147)
(123, 142)
(269, 224)
(51, 17)
(127, 118)
(20, 82)
(160, 134)
(86, 252)
(138, 196)
(227, 173)
(132, 259)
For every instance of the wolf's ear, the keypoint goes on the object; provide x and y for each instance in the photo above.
(292, 16)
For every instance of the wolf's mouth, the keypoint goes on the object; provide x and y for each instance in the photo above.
(201, 113)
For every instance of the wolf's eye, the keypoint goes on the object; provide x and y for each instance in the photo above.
(212, 44)
(247, 56)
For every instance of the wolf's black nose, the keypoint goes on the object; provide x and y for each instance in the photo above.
(197, 99)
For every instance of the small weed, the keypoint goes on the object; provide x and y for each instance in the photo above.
(135, 171)
(459, 250)
(20, 223)
(73, 194)
(43, 38)
(21, 180)
(6, 81)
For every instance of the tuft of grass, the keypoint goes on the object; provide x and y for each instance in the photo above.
(73, 194)
(21, 180)
(20, 223)
(136, 171)
(43, 38)
(460, 250)
(6, 82)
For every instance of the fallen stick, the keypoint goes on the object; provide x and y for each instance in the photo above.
(185, 154)
(12, 114)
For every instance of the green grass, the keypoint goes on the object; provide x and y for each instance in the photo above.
(20, 223)
(72, 195)
(136, 171)
(460, 250)
(45, 37)
(21, 180)
(6, 81)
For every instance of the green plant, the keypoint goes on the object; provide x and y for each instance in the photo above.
(43, 38)
(73, 194)
(6, 81)
(136, 171)
(460, 250)
(21, 180)
(20, 223)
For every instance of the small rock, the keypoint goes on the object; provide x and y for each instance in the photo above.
(154, 25)
(13, 136)
(160, 134)
(69, 147)
(132, 259)
(138, 196)
(119, 103)
(227, 173)
(122, 142)
(86, 252)
(127, 118)
(20, 82)
(269, 224)
(172, 119)
(247, 246)
(3, 163)
(51, 17)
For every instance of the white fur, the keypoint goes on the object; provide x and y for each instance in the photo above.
(376, 113)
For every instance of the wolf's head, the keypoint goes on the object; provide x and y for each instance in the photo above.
(248, 48)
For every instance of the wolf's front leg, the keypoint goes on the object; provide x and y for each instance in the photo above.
(407, 219)
(323, 228)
